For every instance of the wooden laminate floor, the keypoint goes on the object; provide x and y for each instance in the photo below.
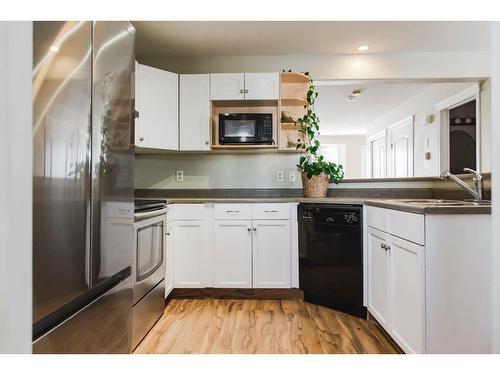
(260, 326)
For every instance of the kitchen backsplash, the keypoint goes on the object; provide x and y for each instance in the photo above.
(216, 171)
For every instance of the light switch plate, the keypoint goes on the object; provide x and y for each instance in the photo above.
(279, 176)
(179, 176)
(291, 176)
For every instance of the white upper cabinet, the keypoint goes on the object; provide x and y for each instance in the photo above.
(227, 86)
(262, 86)
(240, 86)
(156, 101)
(194, 112)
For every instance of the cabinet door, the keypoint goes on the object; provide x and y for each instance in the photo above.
(227, 86)
(378, 277)
(232, 254)
(407, 294)
(271, 253)
(156, 98)
(169, 260)
(189, 254)
(194, 115)
(262, 86)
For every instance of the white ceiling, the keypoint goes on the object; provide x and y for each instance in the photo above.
(207, 38)
(339, 116)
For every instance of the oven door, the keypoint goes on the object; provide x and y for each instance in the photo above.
(238, 128)
(149, 265)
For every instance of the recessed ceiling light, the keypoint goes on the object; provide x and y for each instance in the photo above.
(362, 48)
(54, 48)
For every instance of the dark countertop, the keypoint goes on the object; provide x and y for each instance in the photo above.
(418, 206)
(432, 206)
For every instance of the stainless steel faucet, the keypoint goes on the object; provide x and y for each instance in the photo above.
(477, 192)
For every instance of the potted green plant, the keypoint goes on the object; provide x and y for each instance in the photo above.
(316, 171)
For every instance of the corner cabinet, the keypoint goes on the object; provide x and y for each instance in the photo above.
(244, 86)
(156, 106)
(194, 112)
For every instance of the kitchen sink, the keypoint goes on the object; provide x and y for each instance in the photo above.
(442, 202)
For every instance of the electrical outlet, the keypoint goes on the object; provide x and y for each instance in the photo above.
(291, 176)
(179, 176)
(279, 176)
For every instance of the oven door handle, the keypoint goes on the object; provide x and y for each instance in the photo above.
(149, 214)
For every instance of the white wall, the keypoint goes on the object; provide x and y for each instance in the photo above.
(355, 160)
(422, 105)
(495, 119)
(15, 187)
(215, 171)
(359, 66)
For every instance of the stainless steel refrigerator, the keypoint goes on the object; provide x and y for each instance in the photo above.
(83, 186)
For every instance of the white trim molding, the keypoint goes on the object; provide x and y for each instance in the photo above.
(461, 97)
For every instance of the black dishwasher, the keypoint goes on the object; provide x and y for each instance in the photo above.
(331, 256)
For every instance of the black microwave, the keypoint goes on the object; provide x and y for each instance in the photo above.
(246, 128)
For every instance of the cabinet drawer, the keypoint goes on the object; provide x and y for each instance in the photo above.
(377, 218)
(406, 225)
(275, 211)
(229, 211)
(185, 212)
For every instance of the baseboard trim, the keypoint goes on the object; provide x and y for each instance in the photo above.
(237, 293)
(371, 318)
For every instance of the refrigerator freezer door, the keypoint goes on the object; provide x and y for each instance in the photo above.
(112, 150)
(62, 60)
(104, 326)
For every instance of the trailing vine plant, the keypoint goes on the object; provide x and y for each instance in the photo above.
(311, 162)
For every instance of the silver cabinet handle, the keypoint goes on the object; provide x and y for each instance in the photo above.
(246, 91)
(207, 142)
(241, 91)
(254, 229)
(167, 234)
(232, 212)
(141, 139)
(382, 246)
(271, 211)
(387, 247)
(249, 229)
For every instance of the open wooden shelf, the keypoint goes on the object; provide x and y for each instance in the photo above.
(294, 78)
(293, 102)
(289, 126)
(244, 147)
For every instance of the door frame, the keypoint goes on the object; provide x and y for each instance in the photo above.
(443, 107)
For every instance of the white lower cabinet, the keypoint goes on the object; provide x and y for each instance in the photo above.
(407, 282)
(222, 246)
(189, 245)
(378, 276)
(232, 254)
(396, 281)
(271, 253)
(169, 255)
